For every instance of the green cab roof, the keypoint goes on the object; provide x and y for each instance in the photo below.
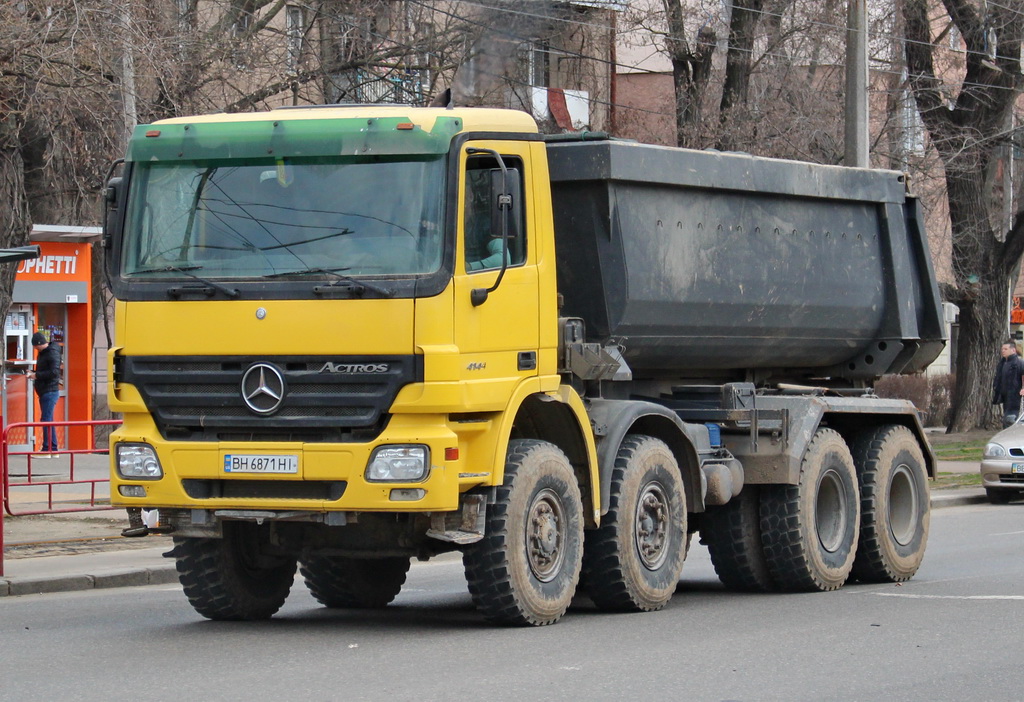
(357, 131)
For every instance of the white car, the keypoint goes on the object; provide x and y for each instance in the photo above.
(1002, 466)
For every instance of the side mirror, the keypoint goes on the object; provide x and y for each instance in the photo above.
(112, 191)
(505, 194)
(113, 219)
(111, 206)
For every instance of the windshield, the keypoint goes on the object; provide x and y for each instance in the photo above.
(225, 220)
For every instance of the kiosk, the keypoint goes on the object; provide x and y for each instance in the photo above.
(52, 294)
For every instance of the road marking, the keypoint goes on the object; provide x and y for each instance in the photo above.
(949, 597)
(1009, 533)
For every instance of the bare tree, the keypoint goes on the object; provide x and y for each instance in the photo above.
(743, 24)
(760, 90)
(53, 124)
(691, 68)
(968, 123)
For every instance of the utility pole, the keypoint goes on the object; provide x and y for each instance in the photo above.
(856, 83)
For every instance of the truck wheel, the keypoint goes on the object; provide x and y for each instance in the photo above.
(732, 534)
(229, 579)
(525, 570)
(894, 505)
(357, 583)
(809, 530)
(632, 562)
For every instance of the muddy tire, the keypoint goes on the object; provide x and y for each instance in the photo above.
(229, 578)
(632, 562)
(809, 531)
(356, 583)
(525, 570)
(732, 534)
(894, 505)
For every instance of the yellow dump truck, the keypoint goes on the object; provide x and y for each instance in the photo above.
(349, 336)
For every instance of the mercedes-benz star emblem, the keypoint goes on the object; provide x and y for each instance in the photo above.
(263, 388)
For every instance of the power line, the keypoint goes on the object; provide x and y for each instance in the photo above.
(811, 23)
(616, 64)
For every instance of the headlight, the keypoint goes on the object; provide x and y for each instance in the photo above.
(138, 462)
(398, 464)
(994, 450)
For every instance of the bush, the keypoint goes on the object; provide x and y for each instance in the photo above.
(931, 394)
(940, 399)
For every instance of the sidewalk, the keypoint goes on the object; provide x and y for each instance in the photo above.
(72, 550)
(88, 571)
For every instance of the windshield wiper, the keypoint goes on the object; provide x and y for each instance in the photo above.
(342, 282)
(184, 270)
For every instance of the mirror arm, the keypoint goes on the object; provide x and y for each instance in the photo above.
(478, 296)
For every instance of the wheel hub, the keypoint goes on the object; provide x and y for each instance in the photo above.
(651, 526)
(903, 505)
(545, 535)
(830, 511)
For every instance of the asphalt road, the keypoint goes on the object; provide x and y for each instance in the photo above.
(952, 633)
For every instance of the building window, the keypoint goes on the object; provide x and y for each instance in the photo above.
(536, 58)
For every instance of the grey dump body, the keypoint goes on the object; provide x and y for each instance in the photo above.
(729, 266)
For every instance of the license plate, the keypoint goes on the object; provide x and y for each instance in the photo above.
(1017, 468)
(260, 463)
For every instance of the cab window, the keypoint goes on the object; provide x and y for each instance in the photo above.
(488, 191)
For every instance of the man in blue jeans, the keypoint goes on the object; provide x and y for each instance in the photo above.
(47, 385)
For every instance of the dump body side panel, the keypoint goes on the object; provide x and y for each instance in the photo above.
(710, 264)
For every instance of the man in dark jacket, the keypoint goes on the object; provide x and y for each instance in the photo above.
(1008, 384)
(47, 385)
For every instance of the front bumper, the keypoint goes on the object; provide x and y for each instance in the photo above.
(1002, 473)
(329, 477)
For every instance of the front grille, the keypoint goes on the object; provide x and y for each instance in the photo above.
(202, 399)
(326, 490)
(1016, 478)
(1017, 452)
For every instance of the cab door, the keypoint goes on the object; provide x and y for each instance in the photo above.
(496, 309)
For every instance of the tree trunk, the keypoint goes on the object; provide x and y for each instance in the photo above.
(691, 70)
(14, 220)
(983, 282)
(984, 320)
(738, 62)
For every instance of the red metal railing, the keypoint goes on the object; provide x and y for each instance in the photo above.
(56, 480)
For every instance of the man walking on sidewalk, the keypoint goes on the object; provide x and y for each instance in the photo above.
(47, 376)
(1008, 384)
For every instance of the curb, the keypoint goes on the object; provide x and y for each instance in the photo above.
(72, 583)
(968, 498)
